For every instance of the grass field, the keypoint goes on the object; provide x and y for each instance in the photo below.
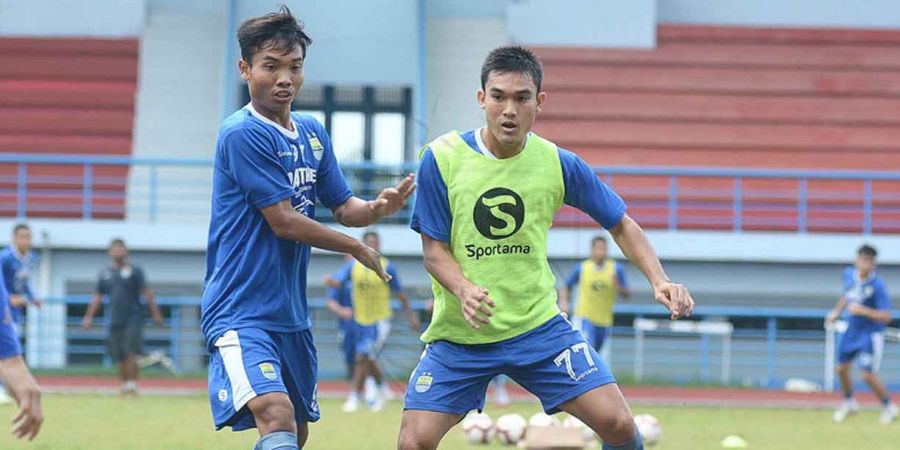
(94, 422)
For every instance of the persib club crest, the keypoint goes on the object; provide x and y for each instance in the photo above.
(268, 371)
(316, 145)
(423, 383)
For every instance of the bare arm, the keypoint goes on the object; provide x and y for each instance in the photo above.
(154, 308)
(356, 212)
(91, 310)
(564, 299)
(341, 311)
(836, 311)
(290, 225)
(27, 422)
(878, 315)
(634, 244)
(475, 302)
(411, 316)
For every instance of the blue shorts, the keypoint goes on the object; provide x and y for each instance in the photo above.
(347, 342)
(552, 361)
(249, 362)
(865, 347)
(593, 333)
(370, 338)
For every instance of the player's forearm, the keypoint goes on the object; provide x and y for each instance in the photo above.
(289, 225)
(356, 212)
(878, 315)
(333, 306)
(634, 244)
(440, 264)
(16, 376)
(564, 299)
(93, 307)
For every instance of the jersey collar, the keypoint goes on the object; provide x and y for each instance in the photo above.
(293, 135)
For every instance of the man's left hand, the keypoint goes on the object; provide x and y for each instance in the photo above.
(393, 199)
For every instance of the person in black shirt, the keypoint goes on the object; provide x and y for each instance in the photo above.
(124, 284)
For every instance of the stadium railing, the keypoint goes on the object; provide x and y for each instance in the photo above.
(166, 190)
(767, 346)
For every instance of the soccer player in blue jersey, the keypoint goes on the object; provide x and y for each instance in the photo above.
(867, 307)
(271, 166)
(14, 373)
(18, 262)
(486, 202)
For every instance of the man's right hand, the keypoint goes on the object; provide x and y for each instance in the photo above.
(371, 259)
(86, 323)
(476, 305)
(832, 316)
(345, 313)
(17, 301)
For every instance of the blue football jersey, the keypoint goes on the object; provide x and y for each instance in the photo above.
(253, 278)
(869, 292)
(9, 337)
(17, 272)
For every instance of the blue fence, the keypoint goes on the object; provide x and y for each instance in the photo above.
(768, 345)
(178, 190)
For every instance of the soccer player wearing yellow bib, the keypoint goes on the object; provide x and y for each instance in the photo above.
(372, 321)
(486, 202)
(599, 280)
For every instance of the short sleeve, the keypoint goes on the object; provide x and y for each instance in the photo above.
(251, 161)
(332, 293)
(847, 279)
(101, 284)
(141, 279)
(620, 276)
(395, 284)
(331, 187)
(574, 276)
(431, 211)
(882, 300)
(585, 191)
(343, 274)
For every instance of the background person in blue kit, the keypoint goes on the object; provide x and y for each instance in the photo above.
(866, 306)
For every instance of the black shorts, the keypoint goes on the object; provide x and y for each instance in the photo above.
(124, 341)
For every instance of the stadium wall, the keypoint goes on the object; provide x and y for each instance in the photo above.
(811, 13)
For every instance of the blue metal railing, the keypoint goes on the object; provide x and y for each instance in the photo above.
(770, 344)
(163, 189)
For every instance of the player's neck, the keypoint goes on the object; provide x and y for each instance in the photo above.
(499, 150)
(20, 252)
(281, 117)
(863, 275)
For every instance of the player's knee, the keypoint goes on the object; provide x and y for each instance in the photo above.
(843, 368)
(411, 439)
(869, 376)
(618, 428)
(274, 412)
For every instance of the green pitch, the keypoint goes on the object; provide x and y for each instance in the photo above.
(93, 422)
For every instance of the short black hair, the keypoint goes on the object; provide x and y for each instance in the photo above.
(117, 241)
(515, 59)
(597, 239)
(371, 233)
(20, 227)
(867, 250)
(274, 31)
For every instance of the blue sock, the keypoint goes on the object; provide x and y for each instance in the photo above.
(636, 443)
(886, 400)
(279, 440)
(848, 394)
